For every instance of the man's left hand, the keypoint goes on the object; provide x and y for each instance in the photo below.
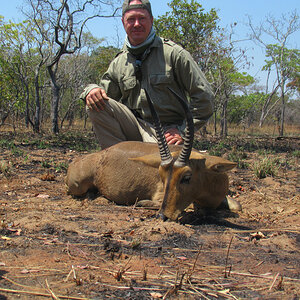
(173, 136)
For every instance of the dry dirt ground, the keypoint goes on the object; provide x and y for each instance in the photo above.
(52, 245)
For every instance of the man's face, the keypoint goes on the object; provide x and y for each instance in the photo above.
(137, 24)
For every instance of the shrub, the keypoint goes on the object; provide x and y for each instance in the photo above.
(266, 167)
(5, 168)
(238, 156)
(219, 149)
(296, 153)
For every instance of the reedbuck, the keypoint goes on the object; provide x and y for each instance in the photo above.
(136, 172)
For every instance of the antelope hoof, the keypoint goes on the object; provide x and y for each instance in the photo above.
(162, 216)
(147, 203)
(231, 204)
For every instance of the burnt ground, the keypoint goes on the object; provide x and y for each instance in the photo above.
(52, 245)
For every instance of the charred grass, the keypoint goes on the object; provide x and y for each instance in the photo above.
(54, 246)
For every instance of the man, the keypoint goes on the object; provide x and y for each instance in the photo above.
(118, 107)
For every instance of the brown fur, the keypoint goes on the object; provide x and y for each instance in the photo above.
(130, 171)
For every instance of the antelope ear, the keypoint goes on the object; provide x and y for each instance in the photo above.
(219, 164)
(152, 160)
(197, 155)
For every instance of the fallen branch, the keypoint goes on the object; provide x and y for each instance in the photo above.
(18, 284)
(198, 292)
(39, 294)
(291, 230)
(131, 288)
(262, 276)
(176, 287)
(226, 261)
(50, 291)
(273, 282)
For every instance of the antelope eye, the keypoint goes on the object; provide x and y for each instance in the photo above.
(186, 179)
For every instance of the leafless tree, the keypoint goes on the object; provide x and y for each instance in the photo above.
(273, 35)
(61, 24)
(225, 74)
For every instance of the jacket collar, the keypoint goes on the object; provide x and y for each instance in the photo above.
(143, 50)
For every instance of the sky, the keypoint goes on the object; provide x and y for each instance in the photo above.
(229, 11)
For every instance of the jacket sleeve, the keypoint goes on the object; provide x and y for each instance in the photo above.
(107, 82)
(110, 80)
(192, 80)
(110, 85)
(87, 89)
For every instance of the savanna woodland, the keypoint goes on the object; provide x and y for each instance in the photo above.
(55, 246)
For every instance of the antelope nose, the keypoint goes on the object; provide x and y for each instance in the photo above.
(162, 216)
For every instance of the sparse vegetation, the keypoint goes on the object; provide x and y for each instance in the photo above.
(132, 243)
(61, 167)
(239, 156)
(5, 168)
(296, 153)
(265, 167)
(76, 140)
(220, 148)
(46, 163)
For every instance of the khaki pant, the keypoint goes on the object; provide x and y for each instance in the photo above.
(116, 123)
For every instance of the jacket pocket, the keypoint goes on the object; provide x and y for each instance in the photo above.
(161, 79)
(128, 83)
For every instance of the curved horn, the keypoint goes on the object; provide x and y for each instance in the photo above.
(166, 157)
(189, 133)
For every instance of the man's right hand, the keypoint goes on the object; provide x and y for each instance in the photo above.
(95, 99)
(173, 136)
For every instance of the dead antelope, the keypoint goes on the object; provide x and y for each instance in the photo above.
(172, 178)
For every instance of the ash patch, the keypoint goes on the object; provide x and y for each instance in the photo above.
(176, 240)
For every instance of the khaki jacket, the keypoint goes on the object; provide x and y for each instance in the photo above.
(165, 64)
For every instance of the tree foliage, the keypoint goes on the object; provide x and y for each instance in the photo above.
(24, 83)
(244, 109)
(294, 83)
(62, 24)
(18, 60)
(188, 25)
(35, 73)
(281, 59)
(99, 61)
(198, 32)
(286, 63)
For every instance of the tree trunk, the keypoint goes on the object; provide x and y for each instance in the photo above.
(26, 95)
(69, 115)
(27, 111)
(55, 101)
(267, 107)
(282, 117)
(215, 122)
(54, 109)
(37, 114)
(224, 129)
